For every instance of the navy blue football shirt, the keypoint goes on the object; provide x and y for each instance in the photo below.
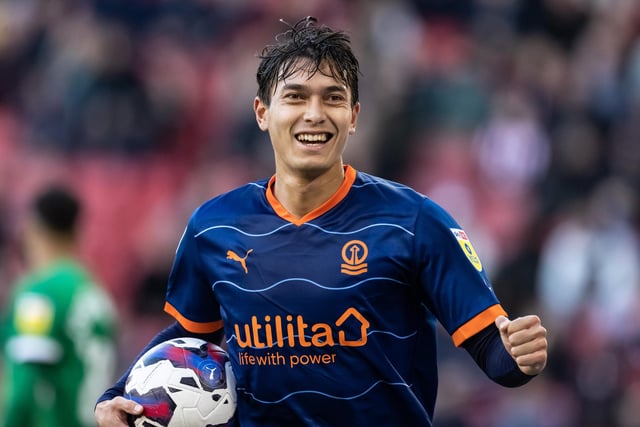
(330, 319)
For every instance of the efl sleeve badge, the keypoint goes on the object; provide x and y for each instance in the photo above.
(467, 247)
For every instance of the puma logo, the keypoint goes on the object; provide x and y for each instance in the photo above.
(242, 260)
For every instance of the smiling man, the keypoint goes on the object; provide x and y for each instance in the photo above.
(309, 118)
(326, 281)
(309, 106)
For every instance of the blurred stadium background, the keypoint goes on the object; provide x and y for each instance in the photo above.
(521, 117)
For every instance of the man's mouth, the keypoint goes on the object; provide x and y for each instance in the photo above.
(313, 138)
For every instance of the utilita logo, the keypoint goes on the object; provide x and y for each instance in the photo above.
(292, 331)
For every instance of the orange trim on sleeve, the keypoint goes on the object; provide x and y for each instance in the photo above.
(349, 179)
(478, 323)
(191, 326)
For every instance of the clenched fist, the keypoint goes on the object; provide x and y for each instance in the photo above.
(526, 341)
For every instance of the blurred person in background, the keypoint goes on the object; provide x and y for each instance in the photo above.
(588, 286)
(321, 242)
(58, 328)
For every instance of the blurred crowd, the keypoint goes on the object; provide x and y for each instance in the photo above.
(521, 117)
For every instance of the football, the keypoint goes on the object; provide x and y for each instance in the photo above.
(183, 382)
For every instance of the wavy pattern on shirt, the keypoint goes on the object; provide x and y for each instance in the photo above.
(331, 396)
(287, 225)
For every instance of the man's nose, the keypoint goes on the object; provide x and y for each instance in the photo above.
(314, 112)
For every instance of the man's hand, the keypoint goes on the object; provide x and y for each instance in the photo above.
(113, 413)
(526, 341)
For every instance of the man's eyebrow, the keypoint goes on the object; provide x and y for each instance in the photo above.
(336, 88)
(293, 86)
(303, 87)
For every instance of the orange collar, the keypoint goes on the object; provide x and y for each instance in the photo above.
(349, 179)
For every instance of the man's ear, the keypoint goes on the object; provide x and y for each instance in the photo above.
(354, 118)
(261, 110)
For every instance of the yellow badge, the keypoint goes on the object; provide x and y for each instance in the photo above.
(34, 314)
(467, 247)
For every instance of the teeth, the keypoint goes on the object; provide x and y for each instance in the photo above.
(308, 137)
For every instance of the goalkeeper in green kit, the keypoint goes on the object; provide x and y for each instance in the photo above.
(58, 326)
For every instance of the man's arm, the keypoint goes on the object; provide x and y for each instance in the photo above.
(511, 352)
(19, 396)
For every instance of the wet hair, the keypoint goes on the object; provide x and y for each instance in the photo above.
(57, 209)
(317, 46)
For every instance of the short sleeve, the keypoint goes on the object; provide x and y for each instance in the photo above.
(189, 298)
(452, 278)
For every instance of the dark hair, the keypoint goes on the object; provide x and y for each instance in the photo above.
(57, 208)
(319, 45)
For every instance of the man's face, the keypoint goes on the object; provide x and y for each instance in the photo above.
(308, 121)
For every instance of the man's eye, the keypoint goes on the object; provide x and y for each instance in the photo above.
(336, 98)
(293, 96)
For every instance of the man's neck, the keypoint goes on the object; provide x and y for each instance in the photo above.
(299, 196)
(50, 253)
